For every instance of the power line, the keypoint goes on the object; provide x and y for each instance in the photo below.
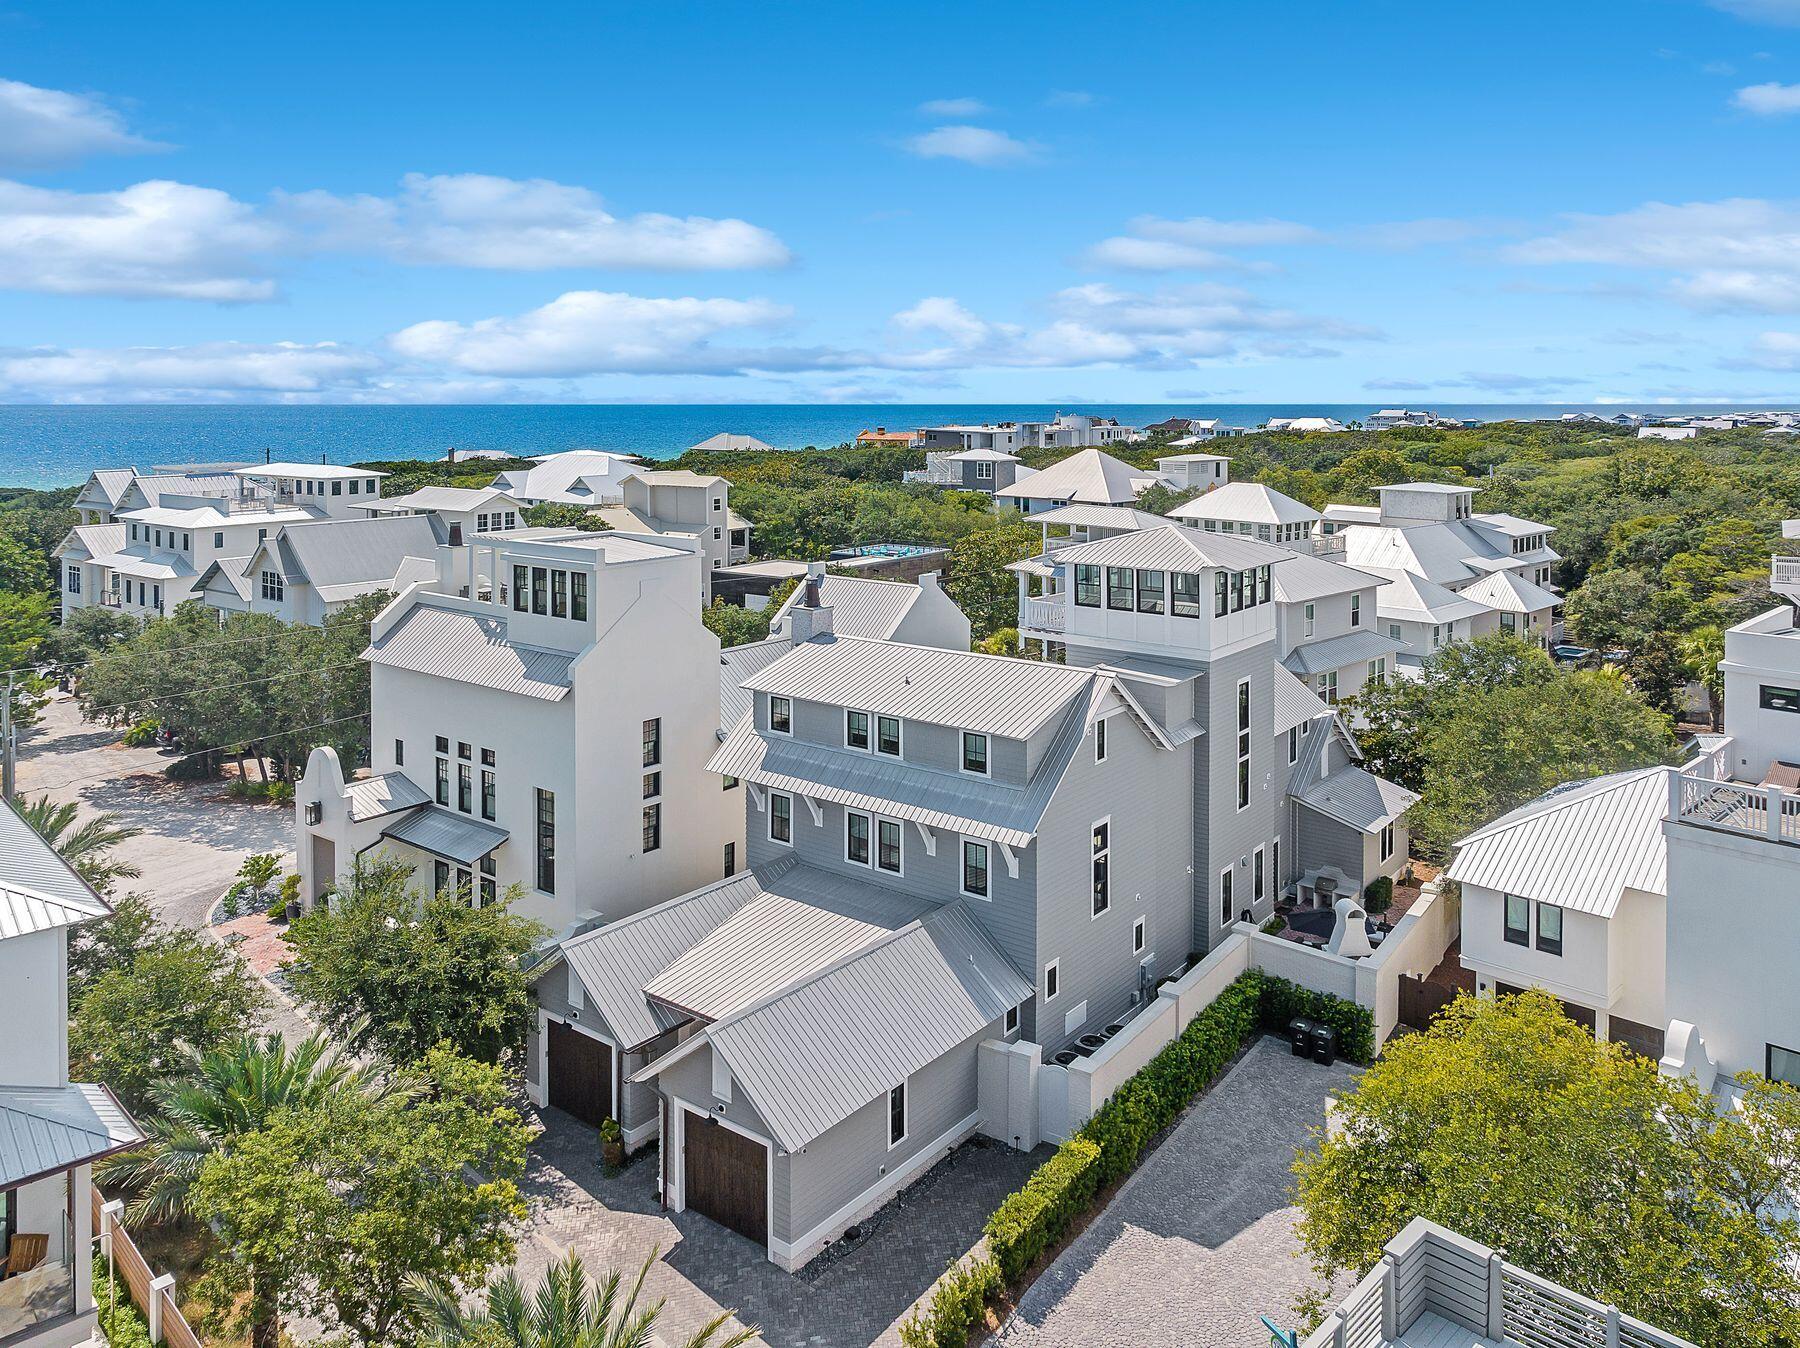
(296, 631)
(216, 749)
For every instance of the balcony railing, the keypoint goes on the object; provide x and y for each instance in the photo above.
(1430, 1274)
(1046, 614)
(1784, 571)
(1756, 811)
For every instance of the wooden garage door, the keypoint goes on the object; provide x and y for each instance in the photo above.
(581, 1074)
(726, 1176)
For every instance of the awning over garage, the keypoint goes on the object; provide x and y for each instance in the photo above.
(445, 833)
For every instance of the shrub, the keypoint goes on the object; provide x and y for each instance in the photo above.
(1034, 1218)
(281, 793)
(956, 1306)
(1379, 896)
(1275, 925)
(119, 1319)
(1355, 1025)
(143, 734)
(610, 1131)
(193, 768)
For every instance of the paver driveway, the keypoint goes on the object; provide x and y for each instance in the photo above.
(1200, 1241)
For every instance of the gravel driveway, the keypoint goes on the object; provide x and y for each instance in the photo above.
(1200, 1241)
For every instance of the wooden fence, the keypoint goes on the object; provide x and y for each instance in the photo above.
(151, 1294)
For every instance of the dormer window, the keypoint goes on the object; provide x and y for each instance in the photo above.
(887, 735)
(975, 753)
(856, 730)
(781, 715)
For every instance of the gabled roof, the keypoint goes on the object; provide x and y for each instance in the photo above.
(1088, 476)
(109, 484)
(1579, 847)
(441, 498)
(46, 1129)
(343, 558)
(1412, 598)
(39, 891)
(232, 572)
(813, 1054)
(1249, 501)
(1355, 796)
(1303, 577)
(322, 471)
(725, 440)
(1509, 592)
(1175, 547)
(981, 456)
(1079, 516)
(97, 540)
(1292, 702)
(677, 477)
(860, 607)
(992, 694)
(1315, 657)
(737, 663)
(468, 647)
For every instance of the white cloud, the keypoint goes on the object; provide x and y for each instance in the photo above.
(1206, 232)
(1154, 243)
(954, 107)
(1762, 11)
(1768, 100)
(478, 220)
(1772, 351)
(1070, 98)
(1132, 254)
(42, 127)
(1737, 254)
(972, 145)
(1496, 382)
(597, 332)
(154, 239)
(208, 370)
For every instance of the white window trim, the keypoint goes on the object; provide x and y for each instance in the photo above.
(868, 748)
(1100, 740)
(1009, 1023)
(899, 736)
(1094, 856)
(1245, 737)
(1293, 745)
(905, 1116)
(1056, 965)
(773, 699)
(869, 839)
(1259, 865)
(962, 755)
(770, 809)
(875, 855)
(1140, 936)
(962, 869)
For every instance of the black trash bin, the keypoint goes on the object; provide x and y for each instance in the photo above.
(1324, 1044)
(1300, 1031)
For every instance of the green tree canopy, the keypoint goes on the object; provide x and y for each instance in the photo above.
(979, 581)
(1507, 1122)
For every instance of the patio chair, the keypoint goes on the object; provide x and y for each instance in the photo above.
(25, 1253)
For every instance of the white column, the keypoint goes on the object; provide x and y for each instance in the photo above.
(81, 1200)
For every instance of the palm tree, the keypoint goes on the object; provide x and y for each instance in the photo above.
(565, 1311)
(221, 1096)
(86, 848)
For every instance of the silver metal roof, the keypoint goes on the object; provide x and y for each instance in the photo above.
(1081, 516)
(803, 921)
(859, 607)
(991, 694)
(391, 792)
(1580, 847)
(341, 557)
(1089, 476)
(1357, 797)
(1302, 577)
(471, 648)
(1292, 702)
(45, 1129)
(1509, 592)
(441, 498)
(38, 889)
(1175, 547)
(1412, 598)
(445, 833)
(614, 962)
(815, 1053)
(737, 663)
(1248, 501)
(1315, 657)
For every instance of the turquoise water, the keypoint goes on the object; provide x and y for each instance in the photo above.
(58, 446)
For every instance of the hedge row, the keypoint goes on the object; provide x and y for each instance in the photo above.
(956, 1306)
(1109, 1145)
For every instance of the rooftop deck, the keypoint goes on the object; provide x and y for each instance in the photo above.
(1732, 807)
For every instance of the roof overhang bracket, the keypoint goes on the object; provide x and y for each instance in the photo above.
(1012, 861)
(927, 837)
(817, 813)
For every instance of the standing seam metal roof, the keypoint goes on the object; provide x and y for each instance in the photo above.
(44, 1129)
(471, 648)
(859, 607)
(1175, 547)
(1336, 652)
(39, 891)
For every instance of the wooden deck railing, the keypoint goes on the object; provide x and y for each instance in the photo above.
(151, 1294)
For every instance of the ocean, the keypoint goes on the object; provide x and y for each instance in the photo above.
(60, 446)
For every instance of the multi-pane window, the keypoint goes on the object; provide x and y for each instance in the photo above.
(974, 753)
(887, 735)
(856, 838)
(1243, 742)
(730, 859)
(1518, 919)
(1099, 741)
(1101, 871)
(1378, 669)
(546, 840)
(653, 741)
(578, 582)
(440, 878)
(1185, 599)
(856, 730)
(490, 886)
(1387, 842)
(465, 788)
(1150, 591)
(540, 590)
(1120, 591)
(781, 817)
(975, 868)
(887, 846)
(464, 749)
(897, 1115)
(487, 793)
(521, 595)
(1328, 688)
(781, 716)
(1356, 610)
(272, 587)
(1221, 594)
(652, 785)
(443, 781)
(1087, 585)
(1308, 614)
(652, 827)
(1225, 895)
(559, 594)
(1550, 929)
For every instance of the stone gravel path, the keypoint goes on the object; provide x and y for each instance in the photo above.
(1200, 1241)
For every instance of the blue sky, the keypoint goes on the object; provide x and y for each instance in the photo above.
(1303, 200)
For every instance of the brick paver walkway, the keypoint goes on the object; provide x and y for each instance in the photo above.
(1200, 1241)
(843, 1299)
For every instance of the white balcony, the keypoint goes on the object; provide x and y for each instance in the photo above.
(1047, 614)
(1784, 575)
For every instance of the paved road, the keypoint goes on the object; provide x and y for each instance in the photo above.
(1200, 1241)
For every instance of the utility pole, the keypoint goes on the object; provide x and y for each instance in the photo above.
(8, 745)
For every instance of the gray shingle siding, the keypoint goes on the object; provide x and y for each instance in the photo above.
(1326, 842)
(922, 743)
(637, 1105)
(1225, 835)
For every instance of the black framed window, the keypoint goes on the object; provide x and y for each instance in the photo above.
(1782, 1064)
(653, 741)
(652, 827)
(490, 885)
(781, 817)
(1550, 929)
(443, 781)
(1518, 919)
(1150, 591)
(652, 785)
(487, 758)
(1778, 699)
(730, 859)
(1087, 586)
(1102, 867)
(440, 878)
(887, 735)
(1225, 895)
(856, 729)
(1257, 878)
(399, 753)
(1121, 589)
(1262, 586)
(465, 788)
(464, 749)
(897, 1115)
(1355, 609)
(975, 868)
(887, 848)
(1235, 584)
(1186, 594)
(487, 793)
(521, 595)
(577, 595)
(781, 716)
(974, 752)
(540, 589)
(546, 840)
(559, 594)
(856, 838)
